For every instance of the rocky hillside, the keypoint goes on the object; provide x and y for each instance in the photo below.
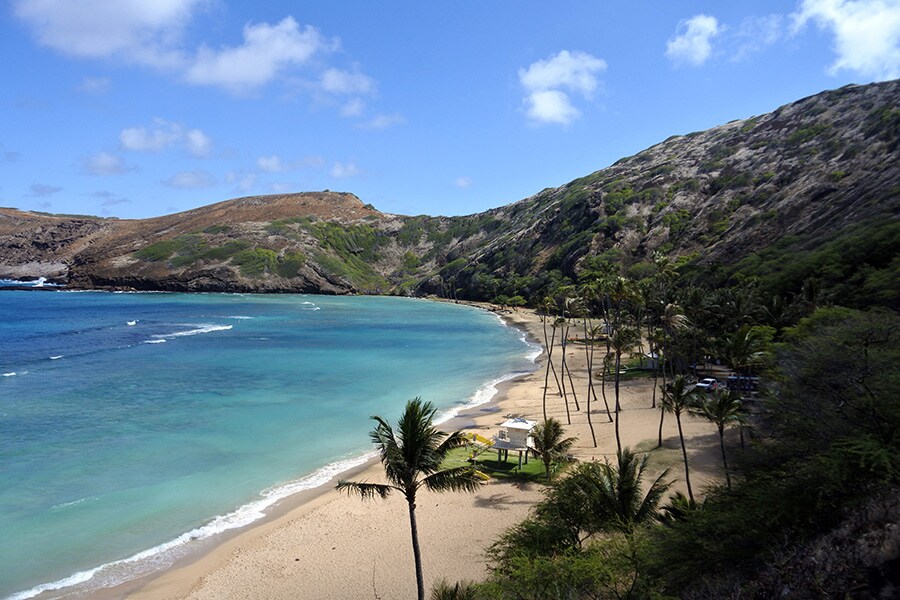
(799, 179)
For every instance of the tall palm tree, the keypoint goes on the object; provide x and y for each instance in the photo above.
(614, 493)
(724, 408)
(621, 341)
(677, 397)
(549, 443)
(412, 459)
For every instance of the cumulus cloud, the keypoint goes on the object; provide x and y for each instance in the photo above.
(134, 31)
(866, 34)
(548, 83)
(336, 81)
(43, 189)
(197, 143)
(190, 180)
(266, 52)
(275, 164)
(165, 134)
(103, 164)
(345, 170)
(692, 43)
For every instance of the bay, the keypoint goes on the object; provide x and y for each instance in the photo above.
(133, 424)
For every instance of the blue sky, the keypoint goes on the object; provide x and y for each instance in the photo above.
(137, 108)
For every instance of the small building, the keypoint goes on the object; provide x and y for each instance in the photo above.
(515, 435)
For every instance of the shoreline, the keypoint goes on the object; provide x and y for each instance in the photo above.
(286, 553)
(294, 504)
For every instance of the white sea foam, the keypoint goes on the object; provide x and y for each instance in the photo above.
(132, 323)
(10, 374)
(198, 329)
(239, 317)
(165, 554)
(154, 342)
(72, 503)
(56, 357)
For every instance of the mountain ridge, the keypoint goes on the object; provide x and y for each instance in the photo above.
(810, 169)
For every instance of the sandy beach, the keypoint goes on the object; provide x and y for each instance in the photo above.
(331, 545)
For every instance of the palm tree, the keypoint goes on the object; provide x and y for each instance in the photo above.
(614, 493)
(677, 510)
(622, 340)
(412, 459)
(676, 398)
(549, 443)
(724, 408)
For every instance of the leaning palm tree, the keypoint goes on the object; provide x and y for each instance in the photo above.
(676, 398)
(724, 408)
(615, 495)
(412, 459)
(549, 443)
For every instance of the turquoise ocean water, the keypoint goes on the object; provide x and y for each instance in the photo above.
(135, 426)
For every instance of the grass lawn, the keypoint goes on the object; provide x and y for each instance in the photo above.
(508, 469)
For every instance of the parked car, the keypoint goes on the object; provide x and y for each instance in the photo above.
(743, 383)
(707, 385)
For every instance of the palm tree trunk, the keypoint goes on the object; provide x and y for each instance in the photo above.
(417, 554)
(589, 358)
(547, 374)
(687, 471)
(618, 408)
(724, 460)
(603, 388)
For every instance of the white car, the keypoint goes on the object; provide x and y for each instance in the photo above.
(707, 385)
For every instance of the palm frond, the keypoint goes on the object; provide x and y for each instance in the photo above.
(366, 491)
(457, 479)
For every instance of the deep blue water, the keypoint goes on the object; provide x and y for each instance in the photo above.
(131, 423)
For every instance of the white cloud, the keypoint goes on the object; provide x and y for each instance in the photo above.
(382, 121)
(94, 85)
(165, 134)
(43, 189)
(757, 33)
(244, 181)
(134, 31)
(345, 170)
(141, 139)
(354, 108)
(275, 164)
(267, 50)
(866, 34)
(463, 182)
(336, 81)
(271, 164)
(283, 187)
(545, 80)
(691, 43)
(104, 163)
(551, 106)
(190, 180)
(198, 143)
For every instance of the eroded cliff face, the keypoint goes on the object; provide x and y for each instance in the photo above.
(809, 170)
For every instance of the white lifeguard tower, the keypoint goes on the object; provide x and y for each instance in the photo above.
(515, 435)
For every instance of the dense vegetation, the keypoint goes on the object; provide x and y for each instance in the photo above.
(811, 501)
